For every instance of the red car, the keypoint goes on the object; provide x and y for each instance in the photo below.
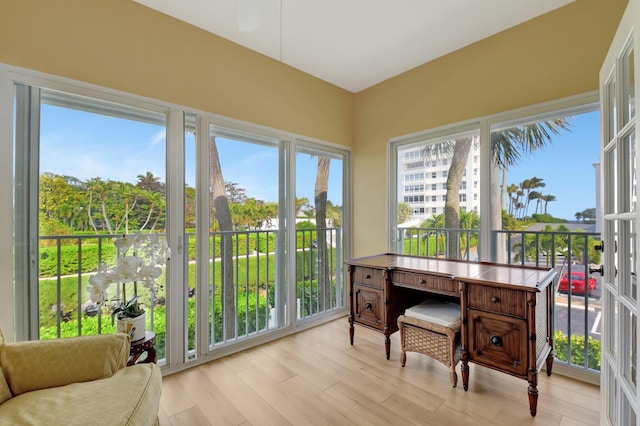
(577, 283)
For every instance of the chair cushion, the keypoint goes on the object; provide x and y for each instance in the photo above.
(446, 314)
(129, 397)
(41, 364)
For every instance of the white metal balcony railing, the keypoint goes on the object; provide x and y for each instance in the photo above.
(577, 313)
(257, 284)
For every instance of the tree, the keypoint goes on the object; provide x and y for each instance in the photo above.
(507, 148)
(405, 212)
(101, 188)
(434, 222)
(535, 195)
(149, 182)
(155, 200)
(547, 199)
(300, 203)
(529, 185)
(225, 222)
(235, 193)
(130, 197)
(468, 221)
(452, 204)
(589, 214)
(320, 198)
(334, 214)
(511, 190)
(578, 216)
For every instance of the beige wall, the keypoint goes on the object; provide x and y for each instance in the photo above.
(553, 56)
(122, 45)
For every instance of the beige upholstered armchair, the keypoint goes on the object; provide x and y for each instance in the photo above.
(76, 381)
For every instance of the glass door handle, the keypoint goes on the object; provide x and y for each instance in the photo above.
(600, 270)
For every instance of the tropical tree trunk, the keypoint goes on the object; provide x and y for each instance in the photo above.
(320, 198)
(93, 225)
(498, 243)
(452, 203)
(223, 216)
(104, 213)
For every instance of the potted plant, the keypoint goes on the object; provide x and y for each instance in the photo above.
(131, 318)
(143, 265)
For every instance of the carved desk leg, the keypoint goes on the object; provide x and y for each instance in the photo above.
(351, 329)
(351, 309)
(464, 354)
(549, 365)
(464, 368)
(387, 344)
(533, 392)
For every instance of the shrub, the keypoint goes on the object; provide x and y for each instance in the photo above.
(546, 218)
(561, 343)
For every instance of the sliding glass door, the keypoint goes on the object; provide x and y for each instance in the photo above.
(254, 217)
(88, 170)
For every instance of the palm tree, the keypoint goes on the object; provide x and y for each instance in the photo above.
(405, 212)
(225, 222)
(320, 199)
(155, 199)
(149, 182)
(435, 221)
(512, 189)
(533, 183)
(452, 204)
(534, 195)
(509, 146)
(547, 199)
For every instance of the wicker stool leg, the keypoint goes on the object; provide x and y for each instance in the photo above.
(403, 353)
(454, 376)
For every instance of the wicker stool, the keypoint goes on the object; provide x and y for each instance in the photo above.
(432, 328)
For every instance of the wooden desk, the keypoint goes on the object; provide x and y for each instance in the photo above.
(507, 317)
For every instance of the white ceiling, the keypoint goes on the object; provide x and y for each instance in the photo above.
(356, 44)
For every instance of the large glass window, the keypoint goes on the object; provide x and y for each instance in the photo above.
(440, 219)
(255, 247)
(97, 170)
(319, 230)
(532, 202)
(247, 284)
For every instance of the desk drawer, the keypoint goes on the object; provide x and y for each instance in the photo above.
(368, 276)
(368, 306)
(426, 282)
(498, 300)
(499, 342)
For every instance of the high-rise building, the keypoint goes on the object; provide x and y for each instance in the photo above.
(423, 181)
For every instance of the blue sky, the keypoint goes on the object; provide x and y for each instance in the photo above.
(566, 167)
(87, 145)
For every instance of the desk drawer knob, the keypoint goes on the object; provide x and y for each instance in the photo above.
(367, 277)
(495, 299)
(368, 306)
(496, 340)
(423, 281)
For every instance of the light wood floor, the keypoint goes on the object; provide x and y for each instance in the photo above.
(316, 377)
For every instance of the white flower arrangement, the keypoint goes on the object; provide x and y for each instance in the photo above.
(144, 265)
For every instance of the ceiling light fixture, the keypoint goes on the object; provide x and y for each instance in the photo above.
(249, 15)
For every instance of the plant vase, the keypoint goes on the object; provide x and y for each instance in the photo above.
(134, 327)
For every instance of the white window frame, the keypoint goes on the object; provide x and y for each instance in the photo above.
(565, 106)
(10, 75)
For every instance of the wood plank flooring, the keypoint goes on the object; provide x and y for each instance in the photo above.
(316, 377)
